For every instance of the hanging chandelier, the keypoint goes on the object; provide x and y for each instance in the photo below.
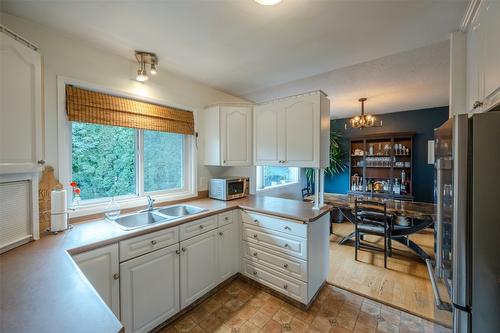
(363, 121)
(145, 58)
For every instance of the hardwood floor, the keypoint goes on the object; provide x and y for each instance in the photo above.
(242, 308)
(405, 283)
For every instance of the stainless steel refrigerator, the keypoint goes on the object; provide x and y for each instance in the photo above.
(467, 229)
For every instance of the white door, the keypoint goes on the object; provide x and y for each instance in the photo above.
(101, 267)
(492, 48)
(301, 120)
(268, 134)
(20, 107)
(236, 137)
(227, 251)
(198, 266)
(150, 289)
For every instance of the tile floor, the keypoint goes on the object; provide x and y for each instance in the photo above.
(241, 308)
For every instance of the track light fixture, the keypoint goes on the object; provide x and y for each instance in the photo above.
(146, 58)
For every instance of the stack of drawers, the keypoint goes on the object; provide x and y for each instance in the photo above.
(274, 252)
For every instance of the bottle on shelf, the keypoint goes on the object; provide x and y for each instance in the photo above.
(397, 187)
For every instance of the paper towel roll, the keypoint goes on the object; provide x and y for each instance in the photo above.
(58, 222)
(58, 202)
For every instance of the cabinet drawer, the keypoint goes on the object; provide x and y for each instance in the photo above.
(287, 244)
(275, 223)
(290, 287)
(225, 218)
(137, 246)
(289, 266)
(197, 227)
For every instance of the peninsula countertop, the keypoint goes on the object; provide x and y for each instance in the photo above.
(42, 289)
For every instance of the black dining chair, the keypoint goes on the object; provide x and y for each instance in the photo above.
(371, 219)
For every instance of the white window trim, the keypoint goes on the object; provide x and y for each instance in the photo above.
(258, 181)
(126, 201)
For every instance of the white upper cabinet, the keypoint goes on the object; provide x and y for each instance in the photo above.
(20, 107)
(228, 140)
(483, 58)
(293, 131)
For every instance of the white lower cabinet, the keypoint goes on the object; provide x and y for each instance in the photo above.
(101, 267)
(150, 289)
(199, 271)
(227, 252)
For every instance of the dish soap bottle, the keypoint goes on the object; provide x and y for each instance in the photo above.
(112, 211)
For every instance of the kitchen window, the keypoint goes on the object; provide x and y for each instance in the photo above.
(123, 162)
(273, 176)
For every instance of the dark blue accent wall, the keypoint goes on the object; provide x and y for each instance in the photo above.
(422, 122)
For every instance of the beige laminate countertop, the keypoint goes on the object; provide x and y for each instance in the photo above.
(42, 289)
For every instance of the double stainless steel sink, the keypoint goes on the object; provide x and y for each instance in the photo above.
(155, 216)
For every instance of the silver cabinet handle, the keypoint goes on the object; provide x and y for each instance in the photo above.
(201, 226)
(285, 286)
(183, 249)
(41, 162)
(285, 265)
(177, 252)
(287, 246)
(255, 236)
(254, 272)
(153, 242)
(477, 104)
(116, 276)
(255, 254)
(221, 233)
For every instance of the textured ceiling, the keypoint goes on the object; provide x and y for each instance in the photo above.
(408, 80)
(241, 47)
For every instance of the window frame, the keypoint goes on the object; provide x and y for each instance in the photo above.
(259, 178)
(96, 206)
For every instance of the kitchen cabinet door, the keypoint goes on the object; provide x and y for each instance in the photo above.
(199, 267)
(20, 107)
(101, 268)
(269, 134)
(150, 289)
(236, 136)
(228, 251)
(492, 50)
(301, 119)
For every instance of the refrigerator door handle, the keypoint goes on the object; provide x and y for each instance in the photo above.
(465, 308)
(437, 296)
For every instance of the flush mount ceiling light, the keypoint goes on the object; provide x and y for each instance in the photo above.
(146, 58)
(363, 121)
(267, 2)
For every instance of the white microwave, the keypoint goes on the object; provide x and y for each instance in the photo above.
(228, 188)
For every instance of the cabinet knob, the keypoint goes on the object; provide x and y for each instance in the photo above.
(285, 265)
(226, 218)
(254, 272)
(256, 221)
(41, 162)
(287, 246)
(183, 249)
(221, 233)
(255, 236)
(116, 276)
(153, 242)
(224, 162)
(201, 226)
(477, 104)
(285, 286)
(255, 254)
(287, 228)
(177, 252)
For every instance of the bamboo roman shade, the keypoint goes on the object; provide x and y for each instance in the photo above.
(88, 106)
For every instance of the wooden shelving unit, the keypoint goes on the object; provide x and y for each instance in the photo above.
(377, 163)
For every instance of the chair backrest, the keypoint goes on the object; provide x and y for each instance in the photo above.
(371, 212)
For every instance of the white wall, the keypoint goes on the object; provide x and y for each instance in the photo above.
(64, 55)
